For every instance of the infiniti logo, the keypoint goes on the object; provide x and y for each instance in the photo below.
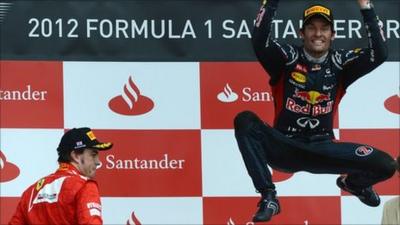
(131, 101)
(364, 150)
(306, 121)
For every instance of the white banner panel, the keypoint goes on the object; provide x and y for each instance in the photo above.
(152, 210)
(363, 106)
(224, 173)
(32, 151)
(132, 95)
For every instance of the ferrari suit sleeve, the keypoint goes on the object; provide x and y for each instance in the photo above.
(88, 204)
(272, 55)
(18, 218)
(361, 61)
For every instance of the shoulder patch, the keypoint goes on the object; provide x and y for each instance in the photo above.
(337, 59)
(39, 184)
(94, 208)
(352, 54)
(292, 54)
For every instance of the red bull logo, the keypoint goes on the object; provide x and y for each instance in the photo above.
(312, 97)
(313, 106)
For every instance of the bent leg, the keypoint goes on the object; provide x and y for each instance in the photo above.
(249, 138)
(364, 165)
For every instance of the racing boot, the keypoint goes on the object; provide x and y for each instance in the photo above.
(366, 195)
(268, 206)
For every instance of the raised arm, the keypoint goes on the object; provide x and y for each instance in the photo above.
(269, 52)
(359, 62)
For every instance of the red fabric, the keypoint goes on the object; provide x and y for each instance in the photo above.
(64, 197)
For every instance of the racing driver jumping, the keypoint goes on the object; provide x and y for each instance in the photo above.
(308, 83)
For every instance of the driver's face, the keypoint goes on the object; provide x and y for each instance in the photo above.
(317, 35)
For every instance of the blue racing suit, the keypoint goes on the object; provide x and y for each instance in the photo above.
(306, 96)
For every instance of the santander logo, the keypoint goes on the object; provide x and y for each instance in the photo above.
(392, 104)
(231, 222)
(133, 220)
(247, 94)
(8, 170)
(131, 101)
(227, 95)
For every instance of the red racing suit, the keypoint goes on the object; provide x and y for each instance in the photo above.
(64, 197)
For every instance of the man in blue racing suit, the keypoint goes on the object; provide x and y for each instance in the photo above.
(308, 83)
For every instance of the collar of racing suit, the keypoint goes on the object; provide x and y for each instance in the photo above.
(71, 169)
(313, 59)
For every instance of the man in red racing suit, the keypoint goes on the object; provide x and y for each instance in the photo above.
(68, 196)
(307, 83)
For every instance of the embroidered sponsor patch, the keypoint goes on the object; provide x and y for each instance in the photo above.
(94, 208)
(39, 184)
(317, 9)
(364, 150)
(301, 68)
(299, 77)
(91, 136)
(103, 145)
(79, 144)
(260, 16)
(48, 192)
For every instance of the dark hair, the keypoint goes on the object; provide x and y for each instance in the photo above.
(65, 156)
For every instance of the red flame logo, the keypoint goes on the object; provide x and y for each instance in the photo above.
(131, 101)
(133, 220)
(278, 176)
(393, 104)
(8, 171)
(230, 221)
